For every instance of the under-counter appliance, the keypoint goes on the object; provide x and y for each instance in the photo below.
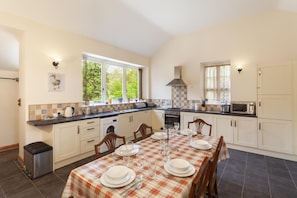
(172, 115)
(243, 107)
(108, 125)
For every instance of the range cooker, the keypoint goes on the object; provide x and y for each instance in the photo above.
(172, 115)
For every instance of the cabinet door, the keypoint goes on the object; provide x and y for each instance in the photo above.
(275, 79)
(158, 120)
(275, 135)
(245, 131)
(141, 117)
(124, 124)
(185, 118)
(66, 141)
(208, 119)
(224, 127)
(275, 107)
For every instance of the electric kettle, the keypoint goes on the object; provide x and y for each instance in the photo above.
(69, 111)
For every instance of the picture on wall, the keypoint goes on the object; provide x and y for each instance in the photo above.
(56, 82)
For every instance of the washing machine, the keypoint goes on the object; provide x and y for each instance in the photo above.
(108, 125)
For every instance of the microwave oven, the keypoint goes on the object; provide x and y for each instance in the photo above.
(243, 107)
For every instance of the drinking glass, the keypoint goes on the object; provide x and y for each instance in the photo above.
(129, 146)
(176, 126)
(190, 134)
(152, 165)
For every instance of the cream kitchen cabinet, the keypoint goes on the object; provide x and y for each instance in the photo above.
(158, 120)
(66, 141)
(275, 107)
(275, 135)
(189, 117)
(237, 130)
(275, 79)
(129, 122)
(89, 134)
(73, 141)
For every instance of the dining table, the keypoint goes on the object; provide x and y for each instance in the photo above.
(86, 180)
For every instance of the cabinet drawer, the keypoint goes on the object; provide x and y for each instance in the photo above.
(89, 122)
(88, 144)
(89, 132)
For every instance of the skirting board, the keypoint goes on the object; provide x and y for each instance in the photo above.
(9, 147)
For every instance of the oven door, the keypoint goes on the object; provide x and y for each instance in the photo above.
(171, 119)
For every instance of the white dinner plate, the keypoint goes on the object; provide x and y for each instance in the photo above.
(179, 165)
(108, 183)
(201, 146)
(118, 172)
(159, 135)
(187, 173)
(121, 151)
(186, 131)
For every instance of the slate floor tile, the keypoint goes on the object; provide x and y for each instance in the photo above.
(244, 175)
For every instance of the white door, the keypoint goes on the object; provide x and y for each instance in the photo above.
(224, 127)
(158, 121)
(275, 79)
(66, 141)
(245, 131)
(275, 107)
(275, 135)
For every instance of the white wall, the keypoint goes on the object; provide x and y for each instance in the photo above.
(38, 46)
(265, 38)
(9, 109)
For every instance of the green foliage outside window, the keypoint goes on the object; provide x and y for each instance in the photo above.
(93, 85)
(92, 81)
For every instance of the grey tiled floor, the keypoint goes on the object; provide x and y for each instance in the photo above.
(243, 175)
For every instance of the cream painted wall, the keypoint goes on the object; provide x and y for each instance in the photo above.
(9, 118)
(38, 46)
(265, 38)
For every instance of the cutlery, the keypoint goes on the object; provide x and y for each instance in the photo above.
(130, 187)
(137, 185)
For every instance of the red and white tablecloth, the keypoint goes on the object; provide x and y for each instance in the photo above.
(84, 181)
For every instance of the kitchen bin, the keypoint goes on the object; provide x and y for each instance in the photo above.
(38, 159)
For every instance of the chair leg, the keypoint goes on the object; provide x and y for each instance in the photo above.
(216, 189)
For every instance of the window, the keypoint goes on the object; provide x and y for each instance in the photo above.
(217, 83)
(105, 79)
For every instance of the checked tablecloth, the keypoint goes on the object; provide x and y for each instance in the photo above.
(84, 181)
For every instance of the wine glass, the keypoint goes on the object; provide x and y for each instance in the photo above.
(176, 125)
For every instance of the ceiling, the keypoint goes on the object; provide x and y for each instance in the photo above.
(140, 26)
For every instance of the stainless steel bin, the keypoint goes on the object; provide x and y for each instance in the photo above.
(38, 159)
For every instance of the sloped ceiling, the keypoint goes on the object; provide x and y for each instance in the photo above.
(140, 26)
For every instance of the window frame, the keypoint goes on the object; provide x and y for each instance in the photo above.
(218, 90)
(105, 62)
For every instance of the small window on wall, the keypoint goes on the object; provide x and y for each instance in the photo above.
(217, 82)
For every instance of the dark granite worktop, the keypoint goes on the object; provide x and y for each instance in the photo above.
(82, 117)
(115, 113)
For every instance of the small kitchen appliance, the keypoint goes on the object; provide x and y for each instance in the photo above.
(69, 111)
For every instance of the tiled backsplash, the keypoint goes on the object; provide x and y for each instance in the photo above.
(45, 111)
(178, 95)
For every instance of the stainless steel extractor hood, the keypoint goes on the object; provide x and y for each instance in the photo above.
(177, 81)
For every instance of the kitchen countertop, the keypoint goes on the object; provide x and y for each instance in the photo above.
(81, 117)
(218, 113)
(115, 113)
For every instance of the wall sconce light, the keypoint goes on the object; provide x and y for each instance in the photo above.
(56, 62)
(239, 68)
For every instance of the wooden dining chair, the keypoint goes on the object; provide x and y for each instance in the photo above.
(199, 124)
(144, 130)
(110, 141)
(212, 186)
(200, 181)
